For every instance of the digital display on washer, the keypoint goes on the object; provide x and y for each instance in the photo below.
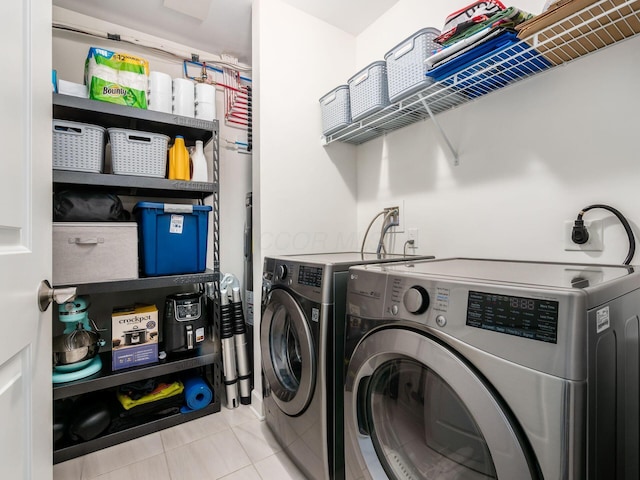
(310, 276)
(521, 316)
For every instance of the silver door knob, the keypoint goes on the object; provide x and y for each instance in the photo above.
(47, 294)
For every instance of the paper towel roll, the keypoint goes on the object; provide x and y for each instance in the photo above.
(160, 96)
(205, 93)
(159, 82)
(183, 97)
(206, 111)
(197, 394)
(160, 92)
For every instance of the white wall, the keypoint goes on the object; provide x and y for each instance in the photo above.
(531, 156)
(304, 194)
(69, 54)
(307, 192)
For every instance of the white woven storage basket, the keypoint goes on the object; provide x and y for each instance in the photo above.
(138, 153)
(368, 90)
(336, 110)
(78, 146)
(405, 63)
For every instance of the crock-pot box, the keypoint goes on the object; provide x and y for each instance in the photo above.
(85, 252)
(134, 333)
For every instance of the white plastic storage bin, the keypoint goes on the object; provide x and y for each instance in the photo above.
(368, 90)
(336, 110)
(78, 146)
(405, 64)
(86, 252)
(138, 153)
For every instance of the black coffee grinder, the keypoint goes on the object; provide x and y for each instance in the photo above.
(185, 322)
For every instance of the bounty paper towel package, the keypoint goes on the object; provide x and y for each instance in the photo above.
(116, 77)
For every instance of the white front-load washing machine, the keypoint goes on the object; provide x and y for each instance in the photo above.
(481, 369)
(302, 344)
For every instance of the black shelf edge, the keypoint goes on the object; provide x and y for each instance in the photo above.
(105, 114)
(73, 451)
(144, 283)
(107, 378)
(134, 185)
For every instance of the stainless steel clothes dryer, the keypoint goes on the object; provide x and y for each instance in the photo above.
(480, 369)
(302, 344)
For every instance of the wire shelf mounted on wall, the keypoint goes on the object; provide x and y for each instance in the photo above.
(558, 36)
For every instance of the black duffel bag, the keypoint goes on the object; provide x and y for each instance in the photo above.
(81, 206)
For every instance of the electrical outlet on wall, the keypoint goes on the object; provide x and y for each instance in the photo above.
(412, 234)
(596, 234)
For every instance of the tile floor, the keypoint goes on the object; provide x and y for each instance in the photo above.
(230, 445)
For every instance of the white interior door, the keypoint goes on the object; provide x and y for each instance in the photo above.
(25, 240)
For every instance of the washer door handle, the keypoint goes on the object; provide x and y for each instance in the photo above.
(361, 406)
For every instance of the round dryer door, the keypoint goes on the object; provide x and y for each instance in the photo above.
(414, 410)
(288, 357)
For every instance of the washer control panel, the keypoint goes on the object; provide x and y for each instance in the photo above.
(439, 303)
(305, 278)
(310, 276)
(521, 316)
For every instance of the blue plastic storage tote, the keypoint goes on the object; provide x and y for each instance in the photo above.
(172, 237)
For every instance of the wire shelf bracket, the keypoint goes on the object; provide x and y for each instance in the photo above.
(456, 159)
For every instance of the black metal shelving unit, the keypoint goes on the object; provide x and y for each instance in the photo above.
(108, 115)
(72, 451)
(207, 359)
(133, 186)
(144, 283)
(207, 354)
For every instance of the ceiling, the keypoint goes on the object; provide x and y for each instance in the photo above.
(219, 26)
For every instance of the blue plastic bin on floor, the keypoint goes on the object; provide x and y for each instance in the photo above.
(172, 237)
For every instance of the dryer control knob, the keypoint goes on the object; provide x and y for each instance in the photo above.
(416, 300)
(282, 272)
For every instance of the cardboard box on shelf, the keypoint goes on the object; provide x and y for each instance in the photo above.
(572, 28)
(134, 336)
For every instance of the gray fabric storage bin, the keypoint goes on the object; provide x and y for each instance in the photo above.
(94, 252)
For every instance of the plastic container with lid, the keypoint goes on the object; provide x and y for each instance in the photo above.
(199, 163)
(172, 237)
